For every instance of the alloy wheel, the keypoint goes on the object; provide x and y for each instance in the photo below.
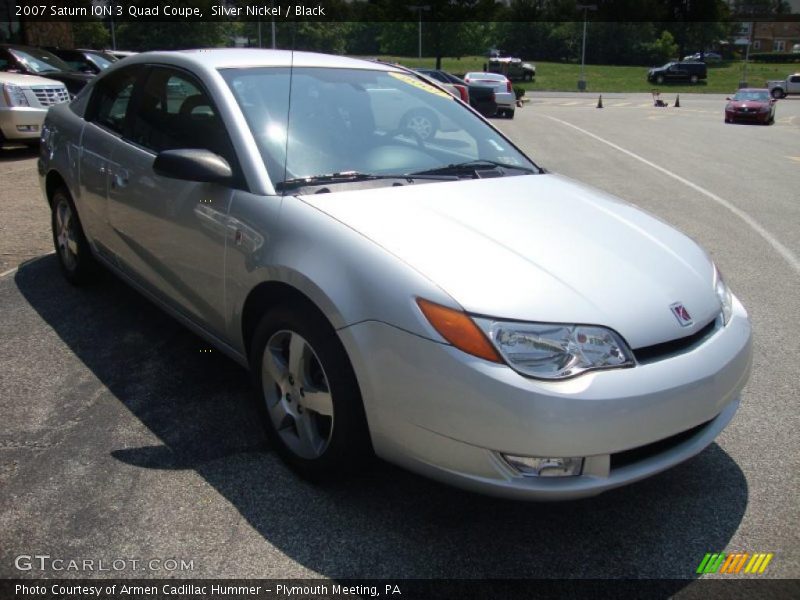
(297, 394)
(66, 235)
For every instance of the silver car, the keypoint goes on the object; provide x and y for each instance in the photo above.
(440, 302)
(503, 91)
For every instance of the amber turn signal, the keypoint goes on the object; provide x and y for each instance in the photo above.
(458, 329)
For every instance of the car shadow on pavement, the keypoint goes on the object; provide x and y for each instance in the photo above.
(387, 522)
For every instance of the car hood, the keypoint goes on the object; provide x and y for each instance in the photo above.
(68, 76)
(24, 80)
(748, 104)
(539, 248)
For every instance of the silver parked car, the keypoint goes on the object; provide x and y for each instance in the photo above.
(503, 91)
(442, 301)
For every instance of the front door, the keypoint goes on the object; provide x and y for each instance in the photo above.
(171, 233)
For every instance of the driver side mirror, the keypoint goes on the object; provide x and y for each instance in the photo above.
(193, 165)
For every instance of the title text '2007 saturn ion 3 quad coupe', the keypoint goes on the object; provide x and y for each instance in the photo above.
(441, 302)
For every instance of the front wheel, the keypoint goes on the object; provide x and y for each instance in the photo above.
(307, 394)
(74, 255)
(777, 93)
(660, 79)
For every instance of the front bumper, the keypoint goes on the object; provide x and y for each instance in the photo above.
(749, 117)
(21, 122)
(448, 415)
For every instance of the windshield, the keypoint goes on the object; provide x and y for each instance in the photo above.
(752, 96)
(40, 61)
(362, 121)
(98, 59)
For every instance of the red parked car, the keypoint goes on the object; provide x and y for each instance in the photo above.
(752, 106)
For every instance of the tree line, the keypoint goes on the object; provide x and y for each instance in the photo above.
(625, 32)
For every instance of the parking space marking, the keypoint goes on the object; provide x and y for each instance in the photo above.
(9, 272)
(794, 158)
(787, 254)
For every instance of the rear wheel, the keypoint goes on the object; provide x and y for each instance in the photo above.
(74, 255)
(510, 114)
(307, 394)
(693, 79)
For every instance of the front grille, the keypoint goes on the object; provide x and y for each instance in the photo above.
(51, 95)
(658, 351)
(634, 455)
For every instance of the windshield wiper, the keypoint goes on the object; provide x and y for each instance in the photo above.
(348, 176)
(470, 167)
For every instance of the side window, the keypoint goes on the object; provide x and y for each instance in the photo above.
(6, 61)
(175, 112)
(112, 95)
(794, 79)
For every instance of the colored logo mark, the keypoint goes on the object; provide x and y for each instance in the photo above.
(739, 562)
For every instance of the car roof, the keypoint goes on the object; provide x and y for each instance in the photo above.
(485, 75)
(233, 58)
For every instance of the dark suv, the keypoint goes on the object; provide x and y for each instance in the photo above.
(678, 71)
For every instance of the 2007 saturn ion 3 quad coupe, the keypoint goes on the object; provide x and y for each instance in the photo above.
(432, 297)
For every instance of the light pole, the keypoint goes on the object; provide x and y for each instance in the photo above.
(750, 28)
(582, 80)
(113, 31)
(419, 10)
(110, 4)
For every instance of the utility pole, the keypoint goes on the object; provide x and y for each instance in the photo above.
(750, 30)
(419, 10)
(582, 80)
(273, 28)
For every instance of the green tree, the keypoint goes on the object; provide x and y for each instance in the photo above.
(450, 27)
(91, 34)
(659, 51)
(174, 35)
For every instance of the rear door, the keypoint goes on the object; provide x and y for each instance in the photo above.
(171, 233)
(105, 118)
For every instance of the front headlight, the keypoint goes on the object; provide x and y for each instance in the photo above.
(15, 95)
(556, 351)
(724, 295)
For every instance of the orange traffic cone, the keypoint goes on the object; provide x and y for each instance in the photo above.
(678, 101)
(600, 101)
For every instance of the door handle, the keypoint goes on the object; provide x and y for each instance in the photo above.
(119, 180)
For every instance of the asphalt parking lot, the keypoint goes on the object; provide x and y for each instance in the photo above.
(121, 438)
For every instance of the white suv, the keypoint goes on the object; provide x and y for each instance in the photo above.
(23, 105)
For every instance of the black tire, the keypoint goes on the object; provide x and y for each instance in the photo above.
(693, 79)
(777, 93)
(510, 114)
(74, 254)
(659, 79)
(347, 447)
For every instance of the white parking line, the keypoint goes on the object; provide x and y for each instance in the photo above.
(9, 272)
(787, 254)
